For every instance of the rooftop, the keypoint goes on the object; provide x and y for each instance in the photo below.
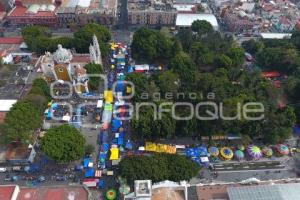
(188, 19)
(289, 191)
(7, 191)
(172, 193)
(11, 40)
(20, 11)
(54, 193)
(6, 104)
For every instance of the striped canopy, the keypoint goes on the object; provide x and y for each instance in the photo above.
(238, 154)
(254, 152)
(282, 149)
(214, 151)
(226, 153)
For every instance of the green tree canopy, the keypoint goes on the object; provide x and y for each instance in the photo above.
(20, 122)
(83, 37)
(183, 65)
(63, 143)
(158, 167)
(97, 69)
(150, 45)
(202, 27)
(252, 46)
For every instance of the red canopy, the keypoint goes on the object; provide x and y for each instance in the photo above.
(270, 74)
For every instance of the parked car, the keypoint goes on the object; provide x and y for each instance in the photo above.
(7, 178)
(42, 178)
(3, 169)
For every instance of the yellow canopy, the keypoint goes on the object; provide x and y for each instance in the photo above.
(128, 89)
(150, 146)
(108, 96)
(114, 154)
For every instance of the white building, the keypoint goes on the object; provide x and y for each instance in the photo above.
(186, 20)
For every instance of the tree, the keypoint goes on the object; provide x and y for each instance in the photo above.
(183, 65)
(295, 39)
(223, 61)
(145, 125)
(21, 121)
(202, 27)
(63, 143)
(185, 36)
(201, 54)
(150, 45)
(237, 55)
(83, 37)
(168, 82)
(252, 46)
(277, 58)
(158, 167)
(97, 69)
(140, 81)
(30, 33)
(43, 86)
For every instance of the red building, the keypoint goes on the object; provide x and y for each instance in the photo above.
(33, 15)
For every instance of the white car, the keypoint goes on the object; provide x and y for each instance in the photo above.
(3, 169)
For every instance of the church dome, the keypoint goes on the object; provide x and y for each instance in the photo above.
(62, 55)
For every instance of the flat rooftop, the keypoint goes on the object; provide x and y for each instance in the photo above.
(54, 193)
(290, 191)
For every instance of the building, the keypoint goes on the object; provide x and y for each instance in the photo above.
(18, 153)
(151, 13)
(5, 106)
(7, 5)
(185, 20)
(30, 13)
(9, 192)
(237, 23)
(15, 192)
(81, 12)
(64, 66)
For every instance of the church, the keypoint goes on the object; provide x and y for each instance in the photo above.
(65, 66)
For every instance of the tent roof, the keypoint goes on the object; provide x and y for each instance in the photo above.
(265, 192)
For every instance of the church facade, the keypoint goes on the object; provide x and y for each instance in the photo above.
(63, 66)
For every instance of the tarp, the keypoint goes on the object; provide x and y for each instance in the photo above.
(162, 148)
(90, 172)
(121, 138)
(120, 87)
(129, 145)
(296, 130)
(86, 162)
(114, 154)
(115, 125)
(108, 96)
(203, 151)
(103, 137)
(105, 147)
(108, 107)
(130, 69)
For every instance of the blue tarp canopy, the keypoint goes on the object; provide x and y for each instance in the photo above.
(128, 145)
(104, 137)
(121, 138)
(203, 150)
(296, 130)
(196, 152)
(130, 69)
(101, 184)
(90, 172)
(86, 162)
(105, 147)
(116, 124)
(120, 87)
